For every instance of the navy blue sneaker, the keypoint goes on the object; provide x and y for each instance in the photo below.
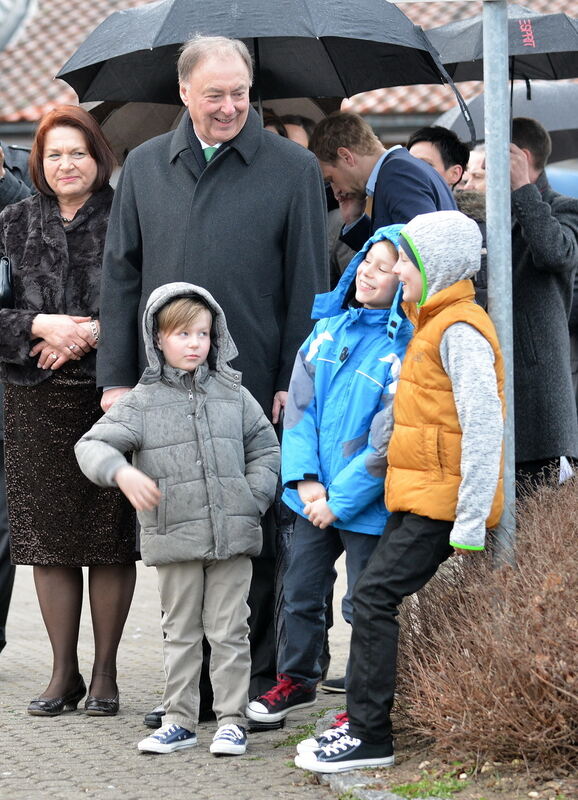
(347, 753)
(338, 728)
(167, 739)
(229, 740)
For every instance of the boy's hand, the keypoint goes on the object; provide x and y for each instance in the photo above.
(460, 551)
(319, 513)
(141, 490)
(310, 491)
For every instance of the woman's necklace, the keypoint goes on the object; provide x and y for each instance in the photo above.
(66, 220)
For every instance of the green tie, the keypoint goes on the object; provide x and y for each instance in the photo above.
(208, 152)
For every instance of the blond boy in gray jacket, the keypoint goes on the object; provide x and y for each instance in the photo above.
(204, 469)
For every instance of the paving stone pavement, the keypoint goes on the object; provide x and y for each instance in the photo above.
(74, 756)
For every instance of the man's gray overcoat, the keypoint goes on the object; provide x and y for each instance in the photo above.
(544, 259)
(249, 228)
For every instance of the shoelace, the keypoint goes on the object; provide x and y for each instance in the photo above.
(231, 732)
(335, 733)
(339, 720)
(342, 744)
(332, 734)
(281, 691)
(164, 733)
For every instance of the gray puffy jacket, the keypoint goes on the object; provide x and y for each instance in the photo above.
(202, 437)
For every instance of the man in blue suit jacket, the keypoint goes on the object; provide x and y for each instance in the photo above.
(357, 165)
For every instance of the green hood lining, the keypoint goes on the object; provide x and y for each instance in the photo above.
(421, 268)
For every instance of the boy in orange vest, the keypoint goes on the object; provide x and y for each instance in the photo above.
(443, 485)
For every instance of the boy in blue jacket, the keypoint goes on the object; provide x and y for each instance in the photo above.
(333, 464)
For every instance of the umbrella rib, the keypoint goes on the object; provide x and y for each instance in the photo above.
(554, 71)
(329, 56)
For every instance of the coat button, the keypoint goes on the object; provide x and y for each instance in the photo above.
(189, 416)
(199, 462)
(234, 386)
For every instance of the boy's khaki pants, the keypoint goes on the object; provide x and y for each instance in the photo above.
(210, 598)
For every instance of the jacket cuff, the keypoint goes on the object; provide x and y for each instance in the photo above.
(292, 481)
(110, 467)
(465, 546)
(468, 537)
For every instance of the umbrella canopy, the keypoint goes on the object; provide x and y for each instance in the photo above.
(539, 45)
(554, 105)
(301, 48)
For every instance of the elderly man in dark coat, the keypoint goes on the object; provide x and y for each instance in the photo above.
(15, 185)
(544, 260)
(223, 204)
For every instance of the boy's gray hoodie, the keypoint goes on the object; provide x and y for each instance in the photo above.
(202, 437)
(445, 246)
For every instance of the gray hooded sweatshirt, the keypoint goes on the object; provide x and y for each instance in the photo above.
(448, 246)
(202, 437)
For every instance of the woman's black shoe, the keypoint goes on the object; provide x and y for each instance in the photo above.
(95, 707)
(52, 707)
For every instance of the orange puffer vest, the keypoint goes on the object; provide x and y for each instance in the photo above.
(424, 453)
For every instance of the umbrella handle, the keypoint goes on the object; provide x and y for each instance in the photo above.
(257, 73)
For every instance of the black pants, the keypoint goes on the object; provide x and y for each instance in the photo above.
(6, 568)
(406, 557)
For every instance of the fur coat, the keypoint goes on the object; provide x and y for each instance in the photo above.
(55, 270)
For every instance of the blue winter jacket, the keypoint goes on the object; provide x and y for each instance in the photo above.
(344, 375)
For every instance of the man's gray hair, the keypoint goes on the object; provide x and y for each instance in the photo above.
(200, 47)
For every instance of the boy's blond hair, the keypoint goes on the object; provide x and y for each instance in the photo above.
(180, 313)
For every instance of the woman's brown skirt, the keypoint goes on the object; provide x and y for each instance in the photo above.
(57, 516)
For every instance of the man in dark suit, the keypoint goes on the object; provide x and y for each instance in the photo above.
(544, 262)
(357, 165)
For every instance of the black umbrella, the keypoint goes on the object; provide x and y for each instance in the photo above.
(553, 104)
(539, 46)
(301, 48)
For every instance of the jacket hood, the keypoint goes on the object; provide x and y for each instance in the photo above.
(330, 304)
(223, 348)
(446, 248)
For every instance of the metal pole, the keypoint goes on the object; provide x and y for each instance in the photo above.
(499, 238)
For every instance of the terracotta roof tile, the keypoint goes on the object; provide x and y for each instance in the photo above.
(28, 66)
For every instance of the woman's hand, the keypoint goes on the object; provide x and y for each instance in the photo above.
(138, 488)
(89, 327)
(49, 357)
(62, 332)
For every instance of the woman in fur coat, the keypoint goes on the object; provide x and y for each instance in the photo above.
(59, 521)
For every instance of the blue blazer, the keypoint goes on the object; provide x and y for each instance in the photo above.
(405, 187)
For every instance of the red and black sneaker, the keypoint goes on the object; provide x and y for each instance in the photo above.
(287, 696)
